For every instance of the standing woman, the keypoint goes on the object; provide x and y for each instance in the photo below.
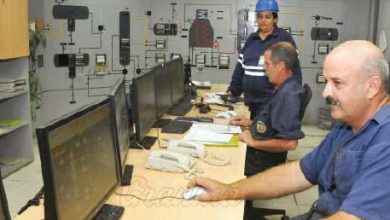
(249, 76)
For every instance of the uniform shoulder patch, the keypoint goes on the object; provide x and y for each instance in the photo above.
(261, 127)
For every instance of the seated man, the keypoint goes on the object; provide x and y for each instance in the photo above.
(351, 166)
(274, 130)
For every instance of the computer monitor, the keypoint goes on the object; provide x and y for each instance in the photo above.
(174, 69)
(4, 211)
(121, 120)
(79, 162)
(162, 90)
(143, 104)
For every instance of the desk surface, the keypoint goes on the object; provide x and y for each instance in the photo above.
(150, 184)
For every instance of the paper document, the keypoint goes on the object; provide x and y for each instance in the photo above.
(213, 98)
(217, 128)
(207, 136)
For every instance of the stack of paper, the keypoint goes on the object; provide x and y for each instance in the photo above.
(4, 123)
(217, 128)
(12, 85)
(207, 136)
(11, 161)
(212, 139)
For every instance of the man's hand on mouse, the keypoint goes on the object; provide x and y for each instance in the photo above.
(216, 191)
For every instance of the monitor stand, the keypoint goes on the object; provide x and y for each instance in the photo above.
(109, 212)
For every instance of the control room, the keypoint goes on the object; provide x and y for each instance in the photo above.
(194, 109)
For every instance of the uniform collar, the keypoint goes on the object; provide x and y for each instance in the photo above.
(274, 33)
(288, 81)
(382, 115)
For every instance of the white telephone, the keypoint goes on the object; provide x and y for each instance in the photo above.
(189, 148)
(195, 149)
(169, 161)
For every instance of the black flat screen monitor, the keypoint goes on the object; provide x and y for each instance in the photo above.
(79, 162)
(162, 90)
(174, 69)
(4, 211)
(121, 120)
(144, 104)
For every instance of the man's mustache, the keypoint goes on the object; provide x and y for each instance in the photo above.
(331, 101)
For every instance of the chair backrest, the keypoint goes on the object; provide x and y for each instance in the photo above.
(306, 99)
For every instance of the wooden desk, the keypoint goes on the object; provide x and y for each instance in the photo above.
(149, 184)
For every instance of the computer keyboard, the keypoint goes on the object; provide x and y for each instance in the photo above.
(148, 142)
(162, 122)
(180, 109)
(177, 127)
(109, 212)
(127, 174)
(197, 119)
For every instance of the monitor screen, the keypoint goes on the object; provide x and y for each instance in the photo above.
(174, 69)
(79, 163)
(100, 59)
(144, 113)
(163, 91)
(121, 120)
(4, 211)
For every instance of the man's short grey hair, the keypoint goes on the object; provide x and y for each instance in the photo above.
(284, 52)
(374, 65)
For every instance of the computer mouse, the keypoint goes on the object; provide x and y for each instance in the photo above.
(193, 192)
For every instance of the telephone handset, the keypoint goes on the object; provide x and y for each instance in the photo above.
(196, 149)
(189, 148)
(169, 161)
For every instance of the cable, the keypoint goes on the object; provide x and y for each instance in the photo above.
(158, 138)
(216, 160)
(192, 173)
(140, 146)
(153, 199)
(219, 110)
(34, 201)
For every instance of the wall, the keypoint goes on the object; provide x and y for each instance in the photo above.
(353, 16)
(384, 24)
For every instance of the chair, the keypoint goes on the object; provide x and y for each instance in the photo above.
(259, 213)
(306, 99)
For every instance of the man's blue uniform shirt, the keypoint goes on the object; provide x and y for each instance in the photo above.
(353, 170)
(279, 118)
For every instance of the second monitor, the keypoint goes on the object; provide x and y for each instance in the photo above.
(121, 120)
(79, 162)
(143, 104)
(174, 69)
(162, 90)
